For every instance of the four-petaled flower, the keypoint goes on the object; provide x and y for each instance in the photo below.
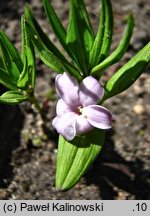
(77, 112)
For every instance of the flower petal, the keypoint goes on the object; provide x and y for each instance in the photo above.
(82, 125)
(62, 108)
(98, 116)
(67, 88)
(65, 125)
(90, 91)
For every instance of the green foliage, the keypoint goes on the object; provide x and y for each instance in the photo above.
(86, 54)
(39, 39)
(27, 77)
(118, 53)
(56, 24)
(47, 51)
(11, 59)
(74, 158)
(16, 73)
(103, 37)
(6, 80)
(13, 97)
(128, 74)
(80, 34)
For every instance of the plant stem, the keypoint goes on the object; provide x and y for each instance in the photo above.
(38, 107)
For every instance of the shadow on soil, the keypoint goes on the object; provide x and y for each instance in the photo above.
(10, 127)
(10, 8)
(111, 171)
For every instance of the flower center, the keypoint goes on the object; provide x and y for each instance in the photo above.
(79, 110)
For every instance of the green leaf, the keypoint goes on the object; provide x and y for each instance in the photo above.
(31, 65)
(1, 62)
(75, 157)
(45, 55)
(97, 45)
(80, 35)
(39, 38)
(24, 76)
(118, 53)
(39, 32)
(5, 56)
(6, 80)
(128, 74)
(48, 53)
(56, 24)
(106, 23)
(11, 49)
(9, 64)
(12, 97)
(27, 77)
(26, 42)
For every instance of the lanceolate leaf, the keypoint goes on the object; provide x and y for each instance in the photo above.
(29, 52)
(5, 56)
(39, 39)
(8, 61)
(97, 45)
(48, 53)
(127, 75)
(24, 76)
(108, 31)
(6, 80)
(1, 62)
(74, 158)
(12, 97)
(80, 34)
(14, 54)
(39, 32)
(119, 51)
(27, 77)
(56, 24)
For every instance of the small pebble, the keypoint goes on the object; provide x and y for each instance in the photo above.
(138, 109)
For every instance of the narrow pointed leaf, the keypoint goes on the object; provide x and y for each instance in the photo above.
(45, 55)
(39, 32)
(39, 38)
(56, 24)
(97, 45)
(14, 71)
(1, 62)
(24, 35)
(74, 158)
(29, 52)
(12, 50)
(5, 56)
(80, 35)
(27, 77)
(24, 76)
(9, 64)
(6, 80)
(12, 97)
(108, 31)
(128, 74)
(48, 53)
(118, 53)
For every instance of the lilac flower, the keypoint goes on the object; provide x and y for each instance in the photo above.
(77, 112)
